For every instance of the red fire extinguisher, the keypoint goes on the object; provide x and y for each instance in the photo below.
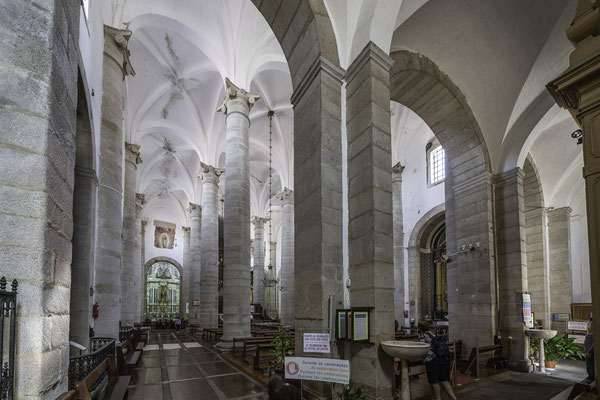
(95, 310)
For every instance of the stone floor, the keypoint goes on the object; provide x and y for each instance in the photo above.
(174, 366)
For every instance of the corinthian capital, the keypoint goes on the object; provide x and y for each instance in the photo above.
(132, 153)
(259, 223)
(140, 199)
(237, 99)
(286, 196)
(121, 38)
(195, 210)
(208, 173)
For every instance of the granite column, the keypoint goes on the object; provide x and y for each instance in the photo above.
(398, 227)
(258, 283)
(193, 278)
(287, 257)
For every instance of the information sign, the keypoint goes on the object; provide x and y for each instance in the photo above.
(577, 325)
(561, 317)
(316, 343)
(317, 369)
(349, 321)
(341, 324)
(527, 316)
(361, 326)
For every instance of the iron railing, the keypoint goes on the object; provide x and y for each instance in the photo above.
(8, 316)
(125, 332)
(80, 367)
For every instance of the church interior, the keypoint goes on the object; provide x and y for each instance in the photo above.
(278, 199)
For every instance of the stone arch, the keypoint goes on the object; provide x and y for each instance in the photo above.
(84, 224)
(428, 221)
(536, 232)
(417, 83)
(147, 266)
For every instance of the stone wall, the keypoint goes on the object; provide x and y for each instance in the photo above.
(38, 76)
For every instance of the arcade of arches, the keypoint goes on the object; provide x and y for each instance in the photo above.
(232, 162)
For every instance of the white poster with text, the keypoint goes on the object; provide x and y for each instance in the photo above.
(316, 343)
(317, 369)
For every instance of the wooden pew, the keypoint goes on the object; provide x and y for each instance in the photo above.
(127, 357)
(70, 395)
(473, 363)
(116, 389)
(241, 340)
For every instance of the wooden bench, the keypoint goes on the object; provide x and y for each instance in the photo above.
(70, 395)
(473, 362)
(238, 340)
(250, 345)
(262, 357)
(116, 389)
(127, 357)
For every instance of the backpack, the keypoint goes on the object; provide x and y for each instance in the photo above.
(439, 346)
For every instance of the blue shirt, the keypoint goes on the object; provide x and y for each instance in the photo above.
(428, 338)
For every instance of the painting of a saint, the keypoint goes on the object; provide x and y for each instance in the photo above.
(164, 235)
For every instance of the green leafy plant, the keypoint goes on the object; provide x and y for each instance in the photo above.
(284, 346)
(560, 347)
(351, 393)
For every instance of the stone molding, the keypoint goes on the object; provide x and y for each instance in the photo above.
(286, 196)
(195, 210)
(210, 174)
(473, 182)
(87, 173)
(186, 230)
(397, 172)
(323, 64)
(505, 177)
(121, 39)
(140, 199)
(536, 212)
(553, 212)
(132, 153)
(371, 52)
(237, 100)
(259, 223)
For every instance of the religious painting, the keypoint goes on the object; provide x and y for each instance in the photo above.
(164, 235)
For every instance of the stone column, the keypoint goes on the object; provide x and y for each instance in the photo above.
(258, 286)
(370, 238)
(287, 257)
(209, 245)
(129, 258)
(236, 214)
(193, 278)
(559, 244)
(187, 267)
(110, 192)
(138, 262)
(143, 252)
(414, 283)
(537, 263)
(82, 267)
(272, 276)
(577, 90)
(512, 266)
(398, 225)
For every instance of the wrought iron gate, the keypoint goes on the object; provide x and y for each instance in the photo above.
(8, 310)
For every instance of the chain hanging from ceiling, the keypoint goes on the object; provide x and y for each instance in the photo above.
(271, 280)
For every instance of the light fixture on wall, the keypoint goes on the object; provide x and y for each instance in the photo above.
(578, 134)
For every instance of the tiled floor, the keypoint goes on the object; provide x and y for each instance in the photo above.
(173, 366)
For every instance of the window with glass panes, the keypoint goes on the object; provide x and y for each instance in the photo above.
(437, 167)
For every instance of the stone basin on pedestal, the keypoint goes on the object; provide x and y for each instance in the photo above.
(405, 351)
(540, 335)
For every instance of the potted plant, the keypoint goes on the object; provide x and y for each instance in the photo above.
(559, 348)
(351, 393)
(284, 345)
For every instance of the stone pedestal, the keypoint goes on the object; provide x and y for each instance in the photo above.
(187, 267)
(130, 258)
(138, 262)
(209, 246)
(559, 250)
(82, 267)
(110, 190)
(193, 278)
(512, 266)
(287, 257)
(258, 283)
(398, 227)
(236, 215)
(370, 216)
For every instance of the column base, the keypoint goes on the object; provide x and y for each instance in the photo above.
(224, 345)
(521, 365)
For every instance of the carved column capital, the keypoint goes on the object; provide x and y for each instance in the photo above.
(186, 231)
(286, 196)
(397, 171)
(259, 223)
(120, 37)
(195, 210)
(140, 199)
(208, 173)
(237, 100)
(132, 153)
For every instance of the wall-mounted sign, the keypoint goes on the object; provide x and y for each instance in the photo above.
(577, 325)
(196, 302)
(341, 324)
(579, 339)
(317, 369)
(316, 343)
(527, 316)
(561, 317)
(361, 326)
